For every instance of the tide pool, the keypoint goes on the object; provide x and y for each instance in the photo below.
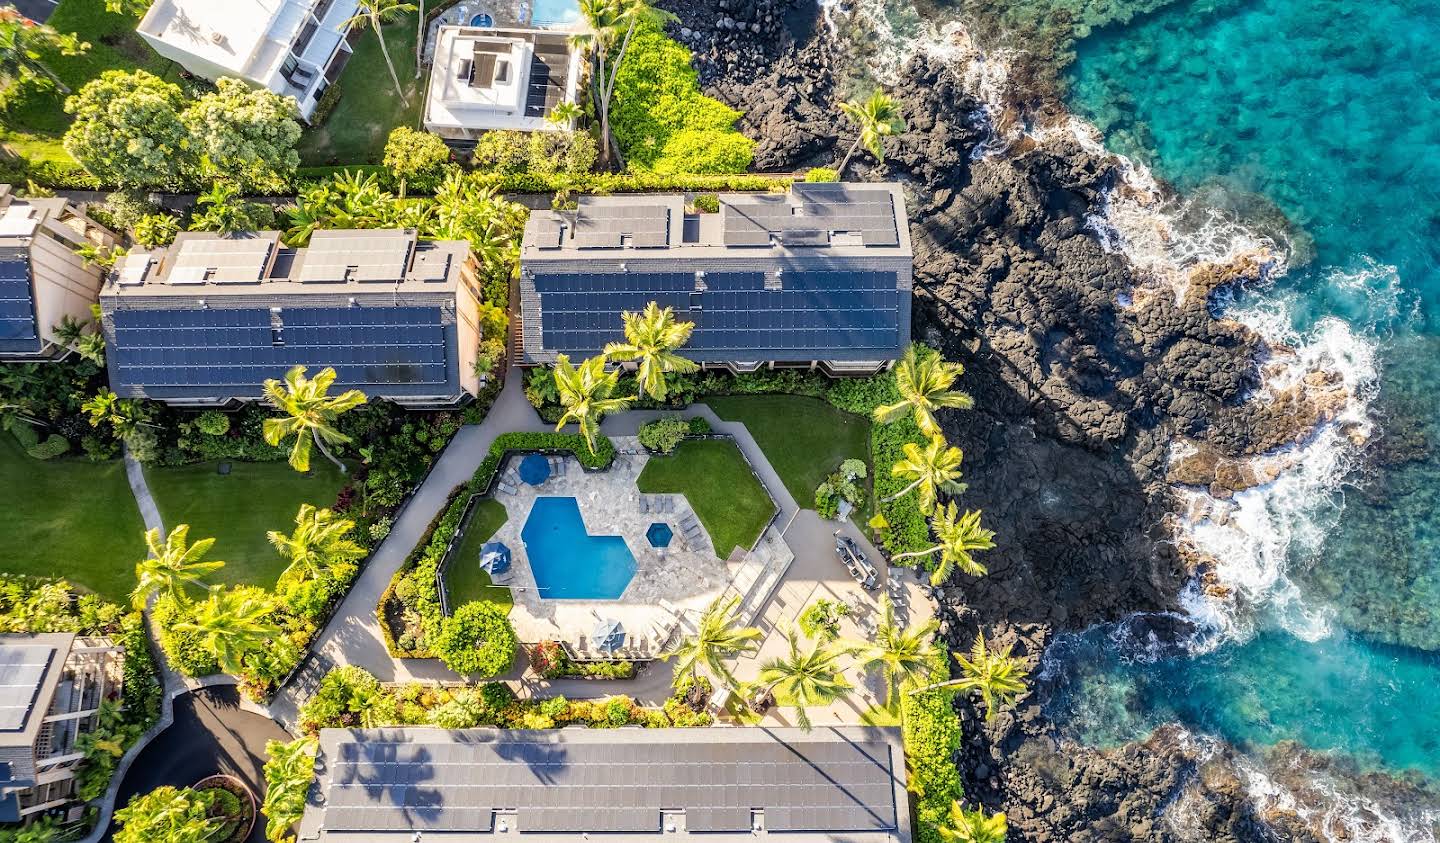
(1327, 111)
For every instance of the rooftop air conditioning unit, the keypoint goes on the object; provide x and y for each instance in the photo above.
(217, 37)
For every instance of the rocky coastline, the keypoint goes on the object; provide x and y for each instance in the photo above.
(1085, 373)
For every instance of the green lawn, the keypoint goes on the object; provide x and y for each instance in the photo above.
(69, 518)
(238, 508)
(715, 479)
(805, 439)
(464, 579)
(38, 116)
(368, 109)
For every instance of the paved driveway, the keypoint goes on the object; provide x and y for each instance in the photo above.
(210, 735)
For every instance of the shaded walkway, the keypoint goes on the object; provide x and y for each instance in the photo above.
(211, 734)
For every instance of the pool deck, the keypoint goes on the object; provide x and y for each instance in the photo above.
(686, 576)
(504, 14)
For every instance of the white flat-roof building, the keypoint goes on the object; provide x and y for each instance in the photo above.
(485, 79)
(292, 47)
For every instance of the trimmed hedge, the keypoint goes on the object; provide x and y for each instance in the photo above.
(932, 738)
(545, 443)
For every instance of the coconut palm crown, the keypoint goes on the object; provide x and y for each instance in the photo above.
(934, 470)
(924, 380)
(310, 414)
(651, 337)
(585, 393)
(806, 678)
(232, 624)
(998, 677)
(964, 826)
(958, 536)
(172, 566)
(902, 654)
(317, 542)
(719, 637)
(877, 117)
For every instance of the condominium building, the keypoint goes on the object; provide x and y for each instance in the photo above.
(293, 47)
(42, 278)
(51, 687)
(204, 322)
(818, 277)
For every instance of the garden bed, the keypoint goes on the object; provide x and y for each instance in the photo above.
(550, 660)
(233, 801)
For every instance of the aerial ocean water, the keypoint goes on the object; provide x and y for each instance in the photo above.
(1311, 127)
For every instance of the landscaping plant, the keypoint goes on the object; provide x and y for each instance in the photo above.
(652, 338)
(289, 770)
(877, 117)
(310, 414)
(800, 678)
(719, 637)
(477, 640)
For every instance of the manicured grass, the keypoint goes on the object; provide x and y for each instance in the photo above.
(69, 518)
(715, 479)
(805, 439)
(464, 579)
(113, 46)
(356, 130)
(237, 509)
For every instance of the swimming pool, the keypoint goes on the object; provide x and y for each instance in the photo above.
(569, 563)
(555, 12)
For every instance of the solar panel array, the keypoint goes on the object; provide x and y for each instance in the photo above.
(368, 346)
(17, 317)
(813, 315)
(381, 255)
(564, 787)
(22, 671)
(810, 215)
(221, 260)
(642, 226)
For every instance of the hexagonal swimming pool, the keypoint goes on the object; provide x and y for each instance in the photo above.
(567, 562)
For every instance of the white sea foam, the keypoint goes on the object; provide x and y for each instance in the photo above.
(1337, 813)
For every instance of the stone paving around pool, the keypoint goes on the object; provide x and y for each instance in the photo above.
(670, 585)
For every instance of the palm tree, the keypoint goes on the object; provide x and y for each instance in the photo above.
(232, 624)
(718, 638)
(585, 394)
(308, 409)
(924, 380)
(23, 42)
(998, 677)
(878, 118)
(605, 20)
(317, 542)
(935, 469)
(808, 678)
(375, 14)
(651, 337)
(902, 654)
(958, 535)
(965, 826)
(224, 211)
(564, 113)
(172, 566)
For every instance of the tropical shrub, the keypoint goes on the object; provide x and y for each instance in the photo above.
(549, 659)
(339, 701)
(289, 770)
(662, 435)
(213, 423)
(661, 120)
(821, 619)
(932, 737)
(419, 159)
(821, 174)
(707, 203)
(477, 640)
(154, 230)
(173, 815)
(842, 485)
(561, 153)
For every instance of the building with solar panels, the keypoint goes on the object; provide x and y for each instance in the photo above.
(51, 687)
(206, 321)
(817, 278)
(833, 784)
(484, 79)
(42, 279)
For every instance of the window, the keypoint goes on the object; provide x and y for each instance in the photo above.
(502, 72)
(307, 32)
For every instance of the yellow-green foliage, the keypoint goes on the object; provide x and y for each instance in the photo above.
(662, 122)
(932, 736)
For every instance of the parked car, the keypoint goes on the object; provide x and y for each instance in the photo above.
(855, 562)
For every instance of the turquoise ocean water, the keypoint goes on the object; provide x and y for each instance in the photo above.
(1329, 111)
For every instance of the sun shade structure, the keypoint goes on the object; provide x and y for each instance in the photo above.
(724, 785)
(534, 469)
(494, 557)
(819, 276)
(207, 320)
(659, 534)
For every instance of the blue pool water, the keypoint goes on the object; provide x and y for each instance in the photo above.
(555, 12)
(1328, 111)
(569, 563)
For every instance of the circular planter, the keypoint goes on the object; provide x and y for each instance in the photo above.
(240, 827)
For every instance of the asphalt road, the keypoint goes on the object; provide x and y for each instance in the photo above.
(36, 10)
(210, 735)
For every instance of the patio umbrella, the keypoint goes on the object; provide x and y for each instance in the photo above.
(608, 636)
(494, 557)
(535, 469)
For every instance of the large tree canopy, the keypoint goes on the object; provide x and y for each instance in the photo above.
(127, 130)
(248, 134)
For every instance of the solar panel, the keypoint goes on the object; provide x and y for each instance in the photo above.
(17, 319)
(220, 259)
(22, 670)
(380, 255)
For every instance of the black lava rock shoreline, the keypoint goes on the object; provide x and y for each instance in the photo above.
(1077, 398)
